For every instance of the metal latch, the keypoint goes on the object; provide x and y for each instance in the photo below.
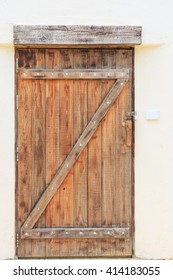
(131, 115)
(17, 102)
(17, 240)
(17, 154)
(17, 65)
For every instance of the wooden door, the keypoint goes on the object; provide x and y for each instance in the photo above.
(74, 152)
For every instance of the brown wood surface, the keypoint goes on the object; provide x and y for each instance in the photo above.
(123, 153)
(76, 233)
(94, 191)
(94, 155)
(25, 151)
(65, 168)
(52, 145)
(108, 158)
(66, 143)
(38, 113)
(71, 74)
(76, 35)
(80, 167)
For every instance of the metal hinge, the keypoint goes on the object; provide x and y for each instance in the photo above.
(17, 153)
(17, 65)
(17, 102)
(17, 240)
(132, 115)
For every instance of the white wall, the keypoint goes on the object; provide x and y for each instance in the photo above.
(153, 167)
(154, 90)
(7, 175)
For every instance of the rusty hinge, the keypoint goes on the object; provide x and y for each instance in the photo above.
(131, 115)
(17, 154)
(17, 102)
(17, 65)
(17, 240)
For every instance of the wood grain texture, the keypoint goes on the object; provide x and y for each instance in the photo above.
(94, 154)
(66, 143)
(76, 35)
(80, 167)
(71, 74)
(123, 153)
(76, 233)
(38, 175)
(108, 157)
(52, 145)
(108, 149)
(83, 210)
(25, 151)
(65, 168)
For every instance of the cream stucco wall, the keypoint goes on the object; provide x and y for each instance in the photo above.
(153, 90)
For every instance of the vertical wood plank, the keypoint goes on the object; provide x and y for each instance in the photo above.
(80, 167)
(67, 247)
(38, 147)
(108, 155)
(52, 147)
(25, 150)
(123, 153)
(94, 155)
(108, 147)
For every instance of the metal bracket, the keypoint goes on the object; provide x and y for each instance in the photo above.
(17, 102)
(17, 154)
(17, 240)
(131, 115)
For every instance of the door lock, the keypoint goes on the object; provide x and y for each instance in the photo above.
(131, 115)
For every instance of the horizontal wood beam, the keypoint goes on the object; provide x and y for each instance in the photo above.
(81, 143)
(74, 73)
(46, 233)
(76, 35)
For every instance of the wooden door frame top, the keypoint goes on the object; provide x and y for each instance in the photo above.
(76, 35)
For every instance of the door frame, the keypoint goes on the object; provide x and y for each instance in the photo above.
(72, 37)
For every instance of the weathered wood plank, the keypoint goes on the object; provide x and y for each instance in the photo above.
(77, 73)
(108, 157)
(52, 146)
(108, 149)
(94, 155)
(65, 207)
(74, 153)
(25, 150)
(80, 167)
(76, 35)
(97, 232)
(123, 153)
(38, 132)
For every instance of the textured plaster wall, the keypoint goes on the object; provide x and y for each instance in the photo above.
(153, 90)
